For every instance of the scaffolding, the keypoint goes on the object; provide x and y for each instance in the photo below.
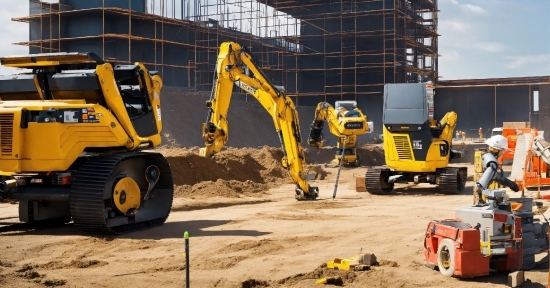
(318, 50)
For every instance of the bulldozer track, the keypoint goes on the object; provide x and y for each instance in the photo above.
(89, 205)
(373, 181)
(452, 180)
(8, 227)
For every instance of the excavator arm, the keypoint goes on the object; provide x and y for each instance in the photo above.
(236, 65)
(447, 126)
(444, 131)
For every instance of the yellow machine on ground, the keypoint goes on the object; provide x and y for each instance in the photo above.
(417, 148)
(236, 65)
(71, 132)
(345, 121)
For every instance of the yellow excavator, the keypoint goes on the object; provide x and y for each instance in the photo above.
(345, 121)
(236, 65)
(417, 148)
(72, 134)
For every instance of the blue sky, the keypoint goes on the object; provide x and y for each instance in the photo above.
(479, 38)
(494, 38)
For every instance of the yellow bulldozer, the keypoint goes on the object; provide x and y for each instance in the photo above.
(417, 147)
(73, 131)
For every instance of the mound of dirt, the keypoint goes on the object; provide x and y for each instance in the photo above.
(221, 188)
(371, 155)
(54, 265)
(244, 164)
(231, 173)
(260, 247)
(238, 172)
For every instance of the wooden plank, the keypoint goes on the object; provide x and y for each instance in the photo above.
(360, 184)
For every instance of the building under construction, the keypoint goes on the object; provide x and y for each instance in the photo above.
(327, 50)
(319, 50)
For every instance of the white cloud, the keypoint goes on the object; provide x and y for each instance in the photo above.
(449, 1)
(469, 8)
(520, 61)
(453, 25)
(450, 55)
(489, 46)
(12, 31)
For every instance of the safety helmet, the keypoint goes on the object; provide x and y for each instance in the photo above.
(497, 142)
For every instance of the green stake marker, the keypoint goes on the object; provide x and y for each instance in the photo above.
(186, 255)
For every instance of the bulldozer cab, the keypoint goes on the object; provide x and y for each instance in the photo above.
(405, 104)
(134, 92)
(405, 112)
(73, 77)
(347, 105)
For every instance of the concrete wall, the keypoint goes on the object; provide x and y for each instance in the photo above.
(541, 119)
(487, 107)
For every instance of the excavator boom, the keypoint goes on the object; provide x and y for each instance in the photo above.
(236, 65)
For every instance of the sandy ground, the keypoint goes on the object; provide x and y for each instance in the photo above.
(263, 239)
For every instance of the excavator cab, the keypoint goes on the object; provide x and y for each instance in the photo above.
(417, 148)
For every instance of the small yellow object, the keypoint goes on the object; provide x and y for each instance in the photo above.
(321, 281)
(343, 264)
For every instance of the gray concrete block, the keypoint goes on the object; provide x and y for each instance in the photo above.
(367, 259)
(515, 279)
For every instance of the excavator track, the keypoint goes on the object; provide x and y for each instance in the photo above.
(452, 180)
(92, 202)
(376, 181)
